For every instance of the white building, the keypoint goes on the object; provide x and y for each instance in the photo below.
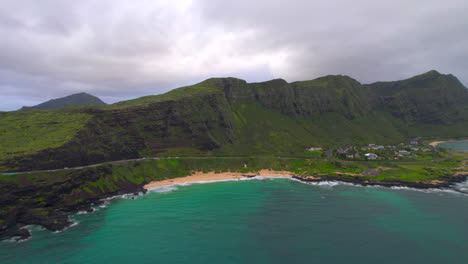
(371, 156)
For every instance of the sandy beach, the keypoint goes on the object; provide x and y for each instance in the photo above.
(435, 143)
(212, 176)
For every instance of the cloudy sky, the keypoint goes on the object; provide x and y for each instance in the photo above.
(121, 49)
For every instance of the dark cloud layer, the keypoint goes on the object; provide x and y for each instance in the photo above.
(119, 49)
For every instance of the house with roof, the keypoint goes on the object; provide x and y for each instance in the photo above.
(371, 156)
(314, 148)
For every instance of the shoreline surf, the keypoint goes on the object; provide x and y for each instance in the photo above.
(437, 142)
(214, 177)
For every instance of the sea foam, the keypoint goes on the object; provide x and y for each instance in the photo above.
(173, 187)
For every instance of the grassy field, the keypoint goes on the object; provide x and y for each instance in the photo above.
(26, 132)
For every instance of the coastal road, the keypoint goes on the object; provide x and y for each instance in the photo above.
(329, 158)
(142, 159)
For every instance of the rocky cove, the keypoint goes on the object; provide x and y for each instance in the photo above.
(221, 117)
(51, 204)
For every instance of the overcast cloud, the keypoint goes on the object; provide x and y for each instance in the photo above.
(121, 49)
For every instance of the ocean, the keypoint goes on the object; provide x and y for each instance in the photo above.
(261, 221)
(461, 145)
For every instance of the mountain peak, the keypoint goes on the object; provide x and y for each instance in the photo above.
(77, 99)
(432, 72)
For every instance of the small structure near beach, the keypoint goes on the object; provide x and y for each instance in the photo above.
(371, 156)
(314, 148)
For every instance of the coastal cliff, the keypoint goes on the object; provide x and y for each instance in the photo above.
(230, 117)
(221, 124)
(49, 199)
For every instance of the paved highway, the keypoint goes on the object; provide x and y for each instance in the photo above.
(142, 159)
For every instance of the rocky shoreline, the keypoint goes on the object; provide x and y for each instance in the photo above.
(439, 184)
(60, 219)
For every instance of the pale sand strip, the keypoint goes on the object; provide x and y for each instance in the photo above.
(212, 176)
(435, 143)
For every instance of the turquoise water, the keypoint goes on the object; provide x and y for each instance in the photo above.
(261, 221)
(455, 145)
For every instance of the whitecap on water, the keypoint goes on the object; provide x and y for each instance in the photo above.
(73, 223)
(162, 189)
(16, 239)
(173, 187)
(460, 188)
(327, 184)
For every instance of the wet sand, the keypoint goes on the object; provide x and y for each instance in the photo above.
(212, 176)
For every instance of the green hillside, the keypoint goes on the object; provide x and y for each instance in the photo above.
(26, 132)
(204, 88)
(230, 117)
(430, 98)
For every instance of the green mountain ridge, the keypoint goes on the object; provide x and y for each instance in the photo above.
(230, 117)
(78, 99)
(429, 98)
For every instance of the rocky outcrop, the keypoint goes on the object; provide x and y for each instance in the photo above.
(445, 182)
(50, 200)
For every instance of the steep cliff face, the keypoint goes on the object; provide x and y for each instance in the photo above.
(228, 116)
(190, 124)
(337, 94)
(47, 199)
(430, 98)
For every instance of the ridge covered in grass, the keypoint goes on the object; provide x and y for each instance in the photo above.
(206, 87)
(230, 117)
(26, 132)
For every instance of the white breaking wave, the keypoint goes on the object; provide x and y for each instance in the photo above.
(431, 190)
(173, 187)
(162, 189)
(74, 223)
(86, 212)
(18, 239)
(128, 196)
(460, 188)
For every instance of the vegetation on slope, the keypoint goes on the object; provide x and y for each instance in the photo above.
(430, 98)
(259, 131)
(26, 132)
(204, 88)
(229, 117)
(47, 198)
